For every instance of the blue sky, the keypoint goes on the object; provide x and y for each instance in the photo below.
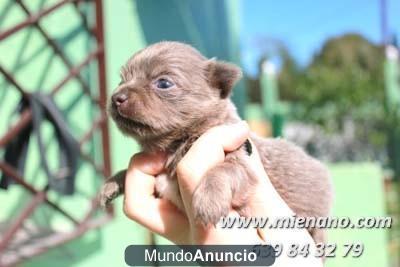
(304, 25)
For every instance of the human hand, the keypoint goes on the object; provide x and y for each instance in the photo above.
(162, 217)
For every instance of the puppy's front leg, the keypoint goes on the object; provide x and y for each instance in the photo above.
(219, 190)
(112, 188)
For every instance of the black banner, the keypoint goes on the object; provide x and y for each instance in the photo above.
(193, 255)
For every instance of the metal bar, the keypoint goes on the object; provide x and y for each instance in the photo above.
(94, 204)
(92, 129)
(33, 19)
(24, 119)
(101, 67)
(26, 116)
(83, 18)
(10, 171)
(54, 45)
(98, 169)
(11, 79)
(8, 235)
(44, 244)
(75, 71)
(88, 222)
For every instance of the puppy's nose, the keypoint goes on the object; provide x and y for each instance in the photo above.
(119, 98)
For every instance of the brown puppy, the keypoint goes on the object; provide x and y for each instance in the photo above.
(169, 95)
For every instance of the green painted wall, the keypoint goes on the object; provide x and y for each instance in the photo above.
(359, 193)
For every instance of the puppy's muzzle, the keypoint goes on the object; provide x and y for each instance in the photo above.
(119, 98)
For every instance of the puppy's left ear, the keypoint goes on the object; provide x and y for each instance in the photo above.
(223, 76)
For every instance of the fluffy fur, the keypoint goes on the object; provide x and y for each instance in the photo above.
(171, 119)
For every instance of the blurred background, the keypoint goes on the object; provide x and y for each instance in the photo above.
(323, 74)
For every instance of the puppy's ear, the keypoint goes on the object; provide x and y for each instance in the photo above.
(222, 76)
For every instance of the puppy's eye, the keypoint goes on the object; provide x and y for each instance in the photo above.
(164, 83)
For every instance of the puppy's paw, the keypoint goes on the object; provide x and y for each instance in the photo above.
(113, 187)
(109, 192)
(208, 207)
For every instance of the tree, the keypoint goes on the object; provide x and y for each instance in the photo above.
(344, 80)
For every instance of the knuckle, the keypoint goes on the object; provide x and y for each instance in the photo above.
(212, 134)
(135, 158)
(129, 209)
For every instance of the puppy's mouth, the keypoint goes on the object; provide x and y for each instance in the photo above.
(128, 122)
(131, 122)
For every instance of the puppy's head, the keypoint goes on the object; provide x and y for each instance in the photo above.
(167, 88)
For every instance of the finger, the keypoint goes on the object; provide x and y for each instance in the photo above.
(140, 204)
(208, 151)
(151, 164)
(140, 174)
(160, 216)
